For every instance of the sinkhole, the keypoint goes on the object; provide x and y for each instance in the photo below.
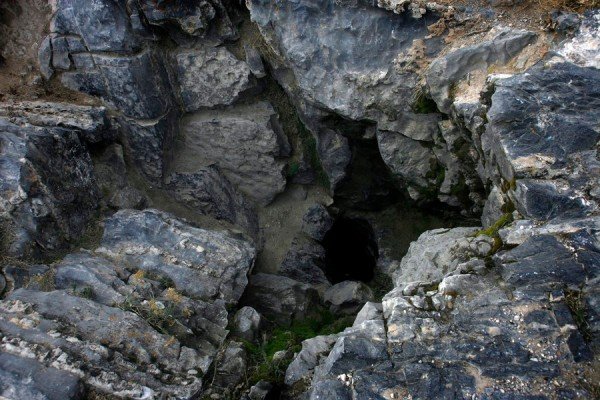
(350, 251)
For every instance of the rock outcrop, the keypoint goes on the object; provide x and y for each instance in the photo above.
(142, 316)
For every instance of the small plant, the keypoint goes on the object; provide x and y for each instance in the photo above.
(493, 231)
(262, 366)
(160, 316)
(421, 104)
(86, 292)
(576, 304)
(293, 169)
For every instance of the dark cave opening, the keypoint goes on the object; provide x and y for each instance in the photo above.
(351, 251)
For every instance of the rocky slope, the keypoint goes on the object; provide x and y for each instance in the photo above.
(277, 200)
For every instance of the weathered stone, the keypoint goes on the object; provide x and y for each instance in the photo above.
(231, 366)
(45, 58)
(111, 174)
(243, 141)
(210, 76)
(304, 262)
(313, 350)
(446, 71)
(90, 123)
(60, 54)
(556, 144)
(335, 155)
(103, 25)
(25, 378)
(280, 299)
(47, 191)
(247, 324)
(369, 311)
(351, 71)
(202, 264)
(316, 222)
(192, 18)
(261, 391)
(438, 252)
(254, 61)
(209, 193)
(347, 297)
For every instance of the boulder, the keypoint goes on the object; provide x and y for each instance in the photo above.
(245, 142)
(304, 262)
(316, 222)
(25, 378)
(48, 191)
(210, 76)
(202, 264)
(208, 192)
(347, 297)
(280, 299)
(247, 324)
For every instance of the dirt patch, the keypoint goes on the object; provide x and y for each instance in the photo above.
(23, 26)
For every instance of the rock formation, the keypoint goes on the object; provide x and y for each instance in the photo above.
(310, 199)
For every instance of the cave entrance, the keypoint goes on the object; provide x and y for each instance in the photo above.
(351, 251)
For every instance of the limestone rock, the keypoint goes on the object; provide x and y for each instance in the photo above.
(349, 71)
(304, 262)
(279, 298)
(335, 155)
(210, 193)
(91, 123)
(243, 141)
(347, 296)
(210, 76)
(188, 256)
(316, 222)
(549, 159)
(47, 188)
(247, 324)
(25, 378)
(438, 252)
(446, 71)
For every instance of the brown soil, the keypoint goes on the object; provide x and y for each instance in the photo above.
(23, 26)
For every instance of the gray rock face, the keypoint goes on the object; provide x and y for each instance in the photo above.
(304, 262)
(247, 324)
(347, 297)
(280, 299)
(446, 71)
(231, 366)
(194, 19)
(91, 123)
(210, 76)
(438, 252)
(144, 315)
(202, 264)
(210, 193)
(243, 141)
(550, 157)
(25, 378)
(317, 222)
(431, 330)
(335, 155)
(111, 174)
(47, 188)
(343, 54)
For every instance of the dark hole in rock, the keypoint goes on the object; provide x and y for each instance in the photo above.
(351, 251)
